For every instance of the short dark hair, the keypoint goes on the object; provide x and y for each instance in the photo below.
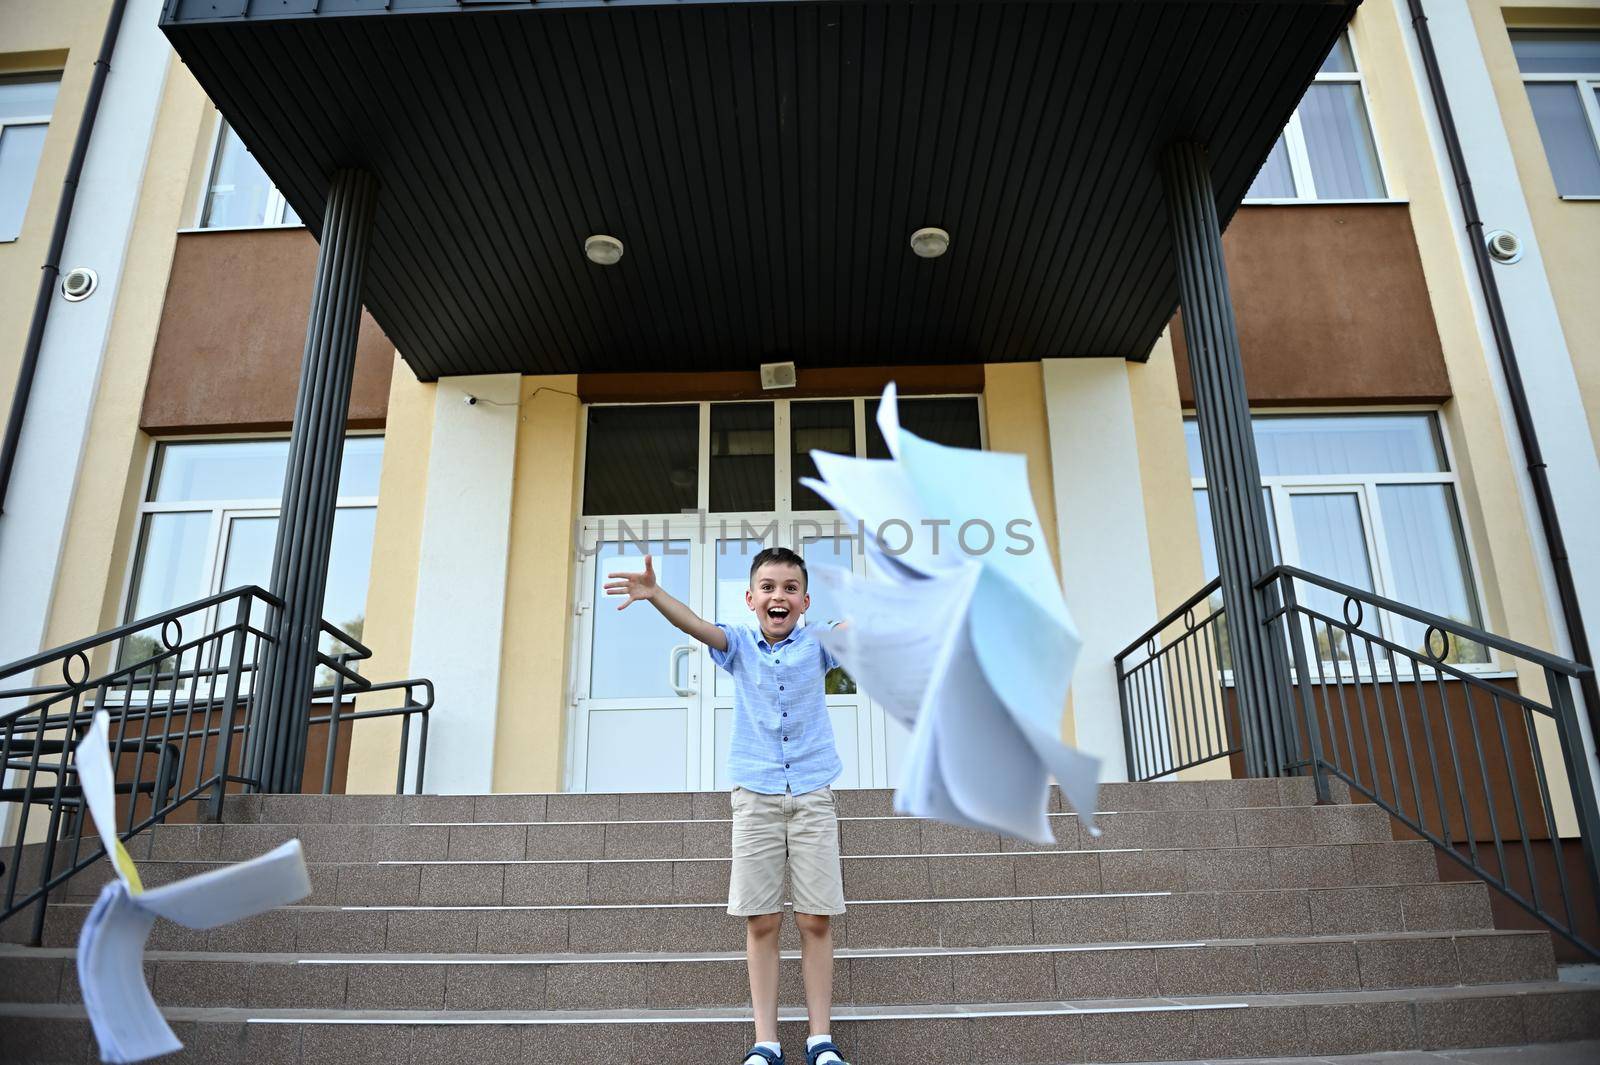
(783, 556)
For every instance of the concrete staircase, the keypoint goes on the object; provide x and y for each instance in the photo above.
(1212, 920)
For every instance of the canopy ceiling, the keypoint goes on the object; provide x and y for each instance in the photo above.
(764, 164)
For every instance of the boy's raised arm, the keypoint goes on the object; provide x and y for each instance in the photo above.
(643, 586)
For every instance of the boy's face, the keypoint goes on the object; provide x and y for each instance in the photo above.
(778, 596)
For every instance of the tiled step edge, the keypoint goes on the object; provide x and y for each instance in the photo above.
(1085, 918)
(647, 806)
(927, 975)
(1099, 1030)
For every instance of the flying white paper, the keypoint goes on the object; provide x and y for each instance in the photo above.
(961, 633)
(127, 1024)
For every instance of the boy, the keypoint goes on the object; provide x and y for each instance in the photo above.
(783, 760)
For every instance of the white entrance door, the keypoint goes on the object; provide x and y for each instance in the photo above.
(637, 708)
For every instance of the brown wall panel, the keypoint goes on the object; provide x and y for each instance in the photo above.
(233, 329)
(1332, 307)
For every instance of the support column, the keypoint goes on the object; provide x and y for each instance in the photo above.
(1227, 446)
(275, 751)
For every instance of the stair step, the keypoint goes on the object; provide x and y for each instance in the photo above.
(543, 882)
(1023, 920)
(709, 837)
(703, 805)
(864, 977)
(1167, 1029)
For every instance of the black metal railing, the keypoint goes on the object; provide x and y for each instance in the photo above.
(179, 709)
(1171, 684)
(1468, 739)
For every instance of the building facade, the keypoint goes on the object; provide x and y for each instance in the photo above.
(478, 514)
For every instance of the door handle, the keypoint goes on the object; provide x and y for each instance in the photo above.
(672, 669)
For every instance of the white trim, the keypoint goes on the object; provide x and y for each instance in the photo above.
(462, 571)
(1107, 574)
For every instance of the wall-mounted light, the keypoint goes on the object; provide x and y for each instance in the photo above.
(603, 250)
(930, 242)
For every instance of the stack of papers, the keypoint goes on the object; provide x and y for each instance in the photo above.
(127, 1024)
(960, 631)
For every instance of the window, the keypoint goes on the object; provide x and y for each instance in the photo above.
(1561, 72)
(647, 458)
(239, 193)
(1367, 500)
(210, 519)
(25, 106)
(1326, 152)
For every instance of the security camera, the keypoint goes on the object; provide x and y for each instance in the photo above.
(472, 400)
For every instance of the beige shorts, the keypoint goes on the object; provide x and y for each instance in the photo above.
(771, 832)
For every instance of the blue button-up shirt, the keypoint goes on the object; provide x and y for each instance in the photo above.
(782, 738)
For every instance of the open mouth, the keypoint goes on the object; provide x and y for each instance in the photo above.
(778, 613)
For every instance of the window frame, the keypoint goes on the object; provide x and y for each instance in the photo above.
(222, 512)
(30, 120)
(1587, 85)
(782, 443)
(1294, 143)
(1281, 487)
(276, 203)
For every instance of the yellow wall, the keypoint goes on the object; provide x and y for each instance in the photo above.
(530, 729)
(100, 528)
(1481, 453)
(42, 36)
(1568, 231)
(392, 591)
(1014, 416)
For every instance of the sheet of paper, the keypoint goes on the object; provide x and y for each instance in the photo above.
(970, 641)
(897, 631)
(127, 1024)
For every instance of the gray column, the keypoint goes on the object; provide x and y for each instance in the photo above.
(1233, 477)
(275, 751)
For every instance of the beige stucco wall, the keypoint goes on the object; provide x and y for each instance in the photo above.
(1015, 420)
(392, 589)
(1568, 231)
(530, 729)
(42, 36)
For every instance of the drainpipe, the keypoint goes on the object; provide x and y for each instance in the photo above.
(52, 258)
(1544, 500)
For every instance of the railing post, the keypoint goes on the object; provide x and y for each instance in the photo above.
(230, 702)
(1227, 445)
(310, 486)
(1302, 669)
(333, 726)
(1127, 721)
(1576, 764)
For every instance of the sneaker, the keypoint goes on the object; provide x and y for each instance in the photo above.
(813, 1053)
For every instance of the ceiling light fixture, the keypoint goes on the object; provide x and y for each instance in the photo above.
(930, 242)
(603, 250)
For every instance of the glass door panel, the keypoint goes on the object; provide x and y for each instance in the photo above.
(638, 705)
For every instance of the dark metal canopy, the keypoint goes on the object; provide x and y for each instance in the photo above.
(764, 163)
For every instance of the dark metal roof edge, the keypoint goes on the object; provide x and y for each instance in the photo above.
(238, 11)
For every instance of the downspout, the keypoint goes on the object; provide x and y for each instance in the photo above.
(52, 258)
(1544, 500)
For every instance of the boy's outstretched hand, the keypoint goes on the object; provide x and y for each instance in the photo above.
(633, 585)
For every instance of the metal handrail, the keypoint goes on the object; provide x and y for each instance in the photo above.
(1452, 754)
(189, 702)
(1473, 633)
(131, 628)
